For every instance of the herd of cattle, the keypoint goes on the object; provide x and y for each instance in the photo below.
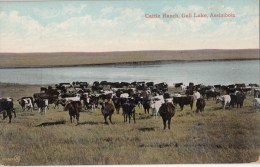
(112, 96)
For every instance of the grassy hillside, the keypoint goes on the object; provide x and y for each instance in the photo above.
(89, 58)
(215, 136)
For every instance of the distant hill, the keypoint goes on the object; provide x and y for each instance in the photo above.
(8, 60)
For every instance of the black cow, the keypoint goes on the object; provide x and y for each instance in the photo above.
(177, 85)
(128, 111)
(167, 111)
(7, 108)
(212, 94)
(117, 103)
(237, 99)
(184, 100)
(200, 104)
(146, 106)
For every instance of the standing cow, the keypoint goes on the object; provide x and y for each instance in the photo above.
(200, 104)
(7, 108)
(167, 111)
(107, 109)
(74, 108)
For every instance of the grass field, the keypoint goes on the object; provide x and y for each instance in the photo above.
(10, 60)
(215, 136)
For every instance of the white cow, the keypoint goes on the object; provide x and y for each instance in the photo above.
(224, 100)
(76, 98)
(155, 104)
(196, 95)
(124, 95)
(256, 103)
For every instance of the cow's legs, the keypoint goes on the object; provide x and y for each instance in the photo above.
(164, 123)
(134, 117)
(10, 117)
(77, 117)
(4, 115)
(14, 113)
(105, 117)
(110, 118)
(169, 123)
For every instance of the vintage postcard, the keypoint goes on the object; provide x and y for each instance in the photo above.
(129, 82)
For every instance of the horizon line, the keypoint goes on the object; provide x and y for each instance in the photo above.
(127, 51)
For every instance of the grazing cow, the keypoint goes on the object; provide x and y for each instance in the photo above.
(57, 102)
(256, 103)
(200, 104)
(26, 103)
(107, 109)
(224, 100)
(74, 108)
(167, 111)
(7, 108)
(184, 100)
(128, 111)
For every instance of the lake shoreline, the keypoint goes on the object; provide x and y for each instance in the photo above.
(128, 63)
(79, 59)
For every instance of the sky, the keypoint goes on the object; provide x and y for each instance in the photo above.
(96, 26)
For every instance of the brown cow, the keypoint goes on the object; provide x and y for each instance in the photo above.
(184, 100)
(107, 109)
(167, 111)
(200, 104)
(74, 108)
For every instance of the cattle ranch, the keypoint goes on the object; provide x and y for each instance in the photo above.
(213, 136)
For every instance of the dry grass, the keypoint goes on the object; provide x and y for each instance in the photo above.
(215, 136)
(90, 58)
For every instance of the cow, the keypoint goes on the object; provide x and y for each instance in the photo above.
(128, 111)
(107, 109)
(196, 95)
(213, 94)
(117, 103)
(167, 111)
(200, 104)
(177, 85)
(7, 108)
(74, 108)
(90, 102)
(256, 103)
(184, 100)
(224, 100)
(42, 105)
(57, 102)
(73, 98)
(146, 106)
(155, 104)
(237, 99)
(26, 103)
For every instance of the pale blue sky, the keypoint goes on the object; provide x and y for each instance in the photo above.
(87, 26)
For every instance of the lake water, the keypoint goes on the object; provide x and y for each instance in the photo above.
(211, 72)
